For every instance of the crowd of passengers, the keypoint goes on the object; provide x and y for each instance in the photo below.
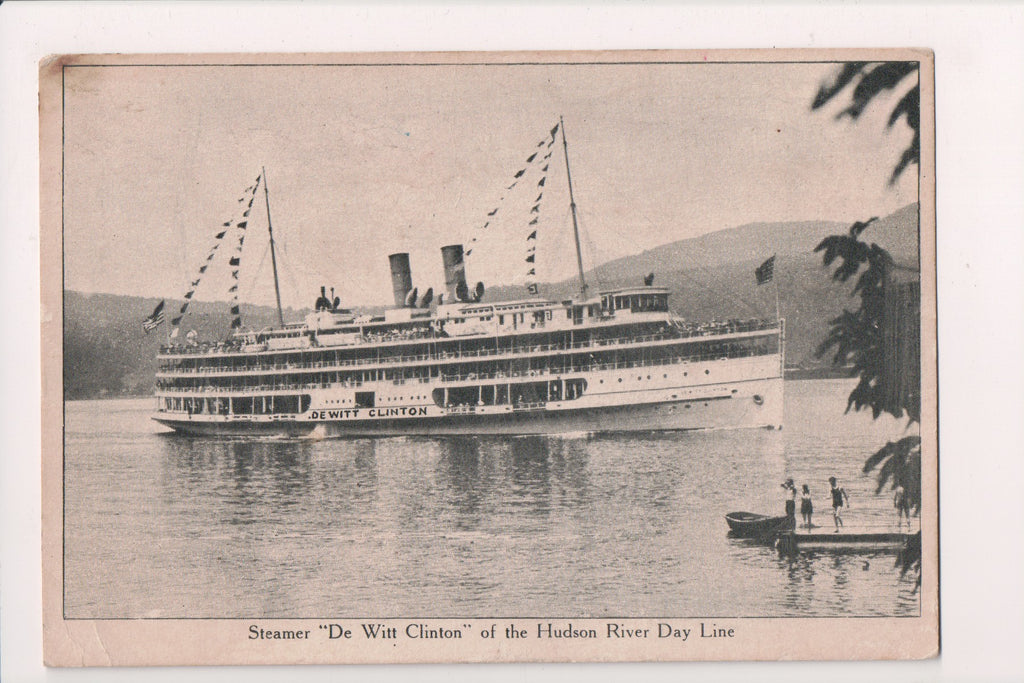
(236, 345)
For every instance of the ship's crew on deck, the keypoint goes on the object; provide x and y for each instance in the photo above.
(838, 496)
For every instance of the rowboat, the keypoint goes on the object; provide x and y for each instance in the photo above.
(752, 524)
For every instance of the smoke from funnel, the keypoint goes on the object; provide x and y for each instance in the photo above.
(454, 270)
(401, 277)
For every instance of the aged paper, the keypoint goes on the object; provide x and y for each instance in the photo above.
(282, 426)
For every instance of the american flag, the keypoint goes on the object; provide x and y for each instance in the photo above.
(155, 319)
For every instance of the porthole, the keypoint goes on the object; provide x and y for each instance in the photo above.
(707, 372)
(665, 376)
(620, 379)
(685, 374)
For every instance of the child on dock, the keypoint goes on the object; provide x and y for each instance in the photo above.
(806, 507)
(838, 495)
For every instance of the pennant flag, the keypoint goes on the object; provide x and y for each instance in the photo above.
(235, 260)
(541, 183)
(487, 223)
(554, 130)
(532, 288)
(188, 294)
(202, 269)
(547, 156)
(221, 234)
(243, 224)
(530, 258)
(236, 323)
(184, 307)
(538, 197)
(545, 169)
(469, 251)
(531, 271)
(532, 235)
(210, 257)
(233, 288)
(535, 209)
(519, 174)
(492, 212)
(155, 319)
(195, 283)
(245, 214)
(174, 324)
(234, 274)
(530, 158)
(765, 271)
(534, 221)
(226, 224)
(541, 143)
(234, 310)
(514, 183)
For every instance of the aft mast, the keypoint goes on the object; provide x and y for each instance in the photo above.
(572, 205)
(273, 255)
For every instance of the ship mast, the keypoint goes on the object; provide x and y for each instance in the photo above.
(273, 255)
(572, 205)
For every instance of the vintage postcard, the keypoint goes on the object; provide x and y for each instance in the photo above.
(489, 357)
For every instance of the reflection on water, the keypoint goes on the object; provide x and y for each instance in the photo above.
(611, 525)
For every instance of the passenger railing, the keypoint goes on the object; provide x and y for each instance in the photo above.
(449, 378)
(517, 350)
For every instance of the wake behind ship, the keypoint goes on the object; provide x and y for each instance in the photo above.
(617, 361)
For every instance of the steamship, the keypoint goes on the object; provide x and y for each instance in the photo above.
(615, 361)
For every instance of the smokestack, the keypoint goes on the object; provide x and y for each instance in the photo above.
(401, 277)
(454, 270)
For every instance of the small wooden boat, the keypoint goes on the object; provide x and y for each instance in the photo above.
(753, 525)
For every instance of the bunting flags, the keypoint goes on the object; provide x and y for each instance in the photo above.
(539, 158)
(765, 271)
(155, 319)
(247, 198)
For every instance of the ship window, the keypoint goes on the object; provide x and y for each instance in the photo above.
(365, 399)
(501, 320)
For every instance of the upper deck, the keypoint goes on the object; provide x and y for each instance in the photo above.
(341, 329)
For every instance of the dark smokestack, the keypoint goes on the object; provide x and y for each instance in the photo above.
(401, 277)
(454, 270)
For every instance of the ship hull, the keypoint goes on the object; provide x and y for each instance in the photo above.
(753, 404)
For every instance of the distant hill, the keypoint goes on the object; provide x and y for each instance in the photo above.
(106, 353)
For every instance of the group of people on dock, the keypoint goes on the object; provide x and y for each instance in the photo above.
(839, 499)
(838, 495)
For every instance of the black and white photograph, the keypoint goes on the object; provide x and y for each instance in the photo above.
(442, 357)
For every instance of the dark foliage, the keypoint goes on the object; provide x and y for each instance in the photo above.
(856, 338)
(871, 80)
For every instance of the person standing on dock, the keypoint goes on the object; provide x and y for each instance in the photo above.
(790, 499)
(902, 505)
(838, 495)
(806, 507)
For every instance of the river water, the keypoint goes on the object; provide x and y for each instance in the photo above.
(623, 525)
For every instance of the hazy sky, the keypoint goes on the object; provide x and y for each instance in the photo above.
(364, 161)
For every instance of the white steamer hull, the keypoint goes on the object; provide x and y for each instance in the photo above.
(755, 403)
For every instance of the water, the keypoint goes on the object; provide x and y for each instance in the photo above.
(622, 525)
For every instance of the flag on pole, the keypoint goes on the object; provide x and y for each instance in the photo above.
(765, 271)
(155, 319)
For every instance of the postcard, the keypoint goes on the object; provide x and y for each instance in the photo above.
(489, 357)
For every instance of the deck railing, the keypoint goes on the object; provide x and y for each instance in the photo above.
(451, 378)
(517, 350)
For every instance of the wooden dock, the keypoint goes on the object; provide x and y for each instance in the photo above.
(847, 538)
